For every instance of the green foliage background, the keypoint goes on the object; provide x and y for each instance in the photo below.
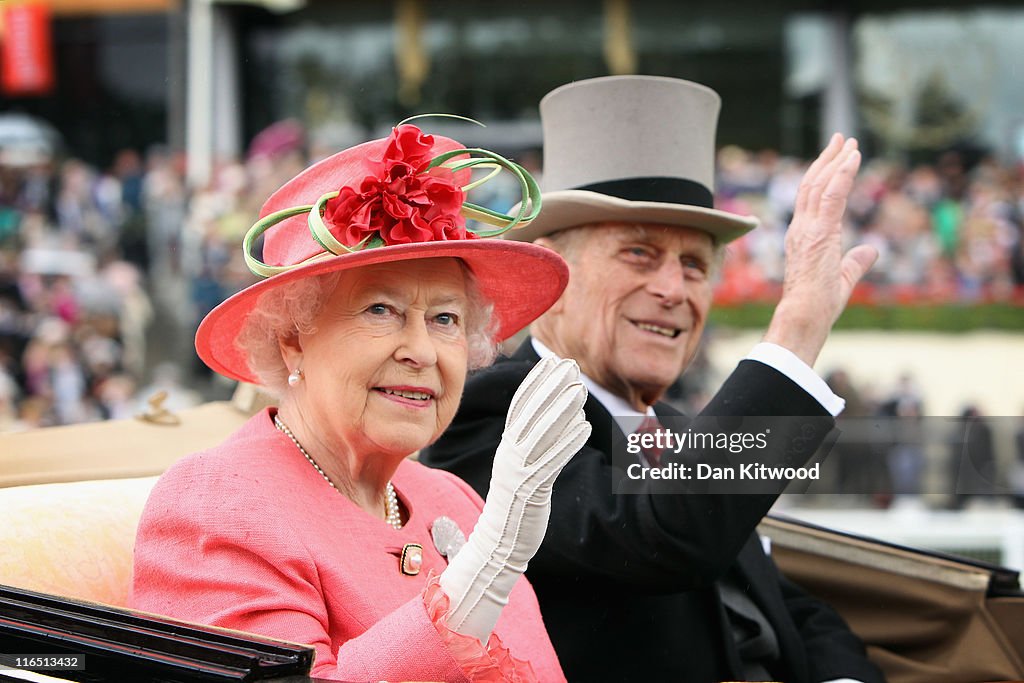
(932, 318)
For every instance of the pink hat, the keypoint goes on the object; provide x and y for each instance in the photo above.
(394, 199)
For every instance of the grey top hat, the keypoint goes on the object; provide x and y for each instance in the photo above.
(631, 148)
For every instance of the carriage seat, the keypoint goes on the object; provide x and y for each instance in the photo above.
(72, 539)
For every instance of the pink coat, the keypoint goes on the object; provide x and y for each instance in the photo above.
(249, 536)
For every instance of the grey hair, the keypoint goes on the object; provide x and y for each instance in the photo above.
(290, 309)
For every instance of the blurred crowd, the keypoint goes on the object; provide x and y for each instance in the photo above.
(76, 280)
(105, 272)
(945, 231)
(888, 450)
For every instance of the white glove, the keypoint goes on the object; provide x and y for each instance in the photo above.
(545, 427)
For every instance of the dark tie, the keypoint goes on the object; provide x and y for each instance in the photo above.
(756, 641)
(652, 455)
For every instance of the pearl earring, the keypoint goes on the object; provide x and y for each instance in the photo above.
(295, 377)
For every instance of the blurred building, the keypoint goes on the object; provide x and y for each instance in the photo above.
(910, 77)
(109, 63)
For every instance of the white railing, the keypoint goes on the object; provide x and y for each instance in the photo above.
(994, 535)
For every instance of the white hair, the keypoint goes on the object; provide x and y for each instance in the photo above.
(290, 309)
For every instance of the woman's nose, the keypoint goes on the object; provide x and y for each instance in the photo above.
(415, 346)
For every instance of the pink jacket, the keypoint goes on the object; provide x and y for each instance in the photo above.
(249, 536)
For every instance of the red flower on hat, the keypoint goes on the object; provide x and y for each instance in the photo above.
(400, 200)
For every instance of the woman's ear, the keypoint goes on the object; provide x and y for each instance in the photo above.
(291, 351)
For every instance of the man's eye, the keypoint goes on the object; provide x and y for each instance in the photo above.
(695, 265)
(377, 309)
(639, 254)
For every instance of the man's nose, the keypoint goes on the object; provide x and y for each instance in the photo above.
(668, 283)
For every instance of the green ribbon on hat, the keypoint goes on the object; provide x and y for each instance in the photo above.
(479, 159)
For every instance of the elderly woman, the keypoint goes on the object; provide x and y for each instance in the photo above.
(310, 524)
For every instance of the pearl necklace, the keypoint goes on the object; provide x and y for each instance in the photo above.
(393, 514)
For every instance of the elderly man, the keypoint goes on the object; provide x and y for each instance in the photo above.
(637, 585)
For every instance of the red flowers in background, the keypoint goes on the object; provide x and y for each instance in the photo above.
(400, 200)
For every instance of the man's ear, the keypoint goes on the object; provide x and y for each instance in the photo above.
(291, 351)
(546, 243)
(556, 307)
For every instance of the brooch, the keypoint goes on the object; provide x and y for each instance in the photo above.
(448, 537)
(411, 560)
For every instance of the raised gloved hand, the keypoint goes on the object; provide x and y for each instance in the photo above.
(544, 428)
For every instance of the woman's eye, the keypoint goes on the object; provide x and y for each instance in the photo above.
(377, 309)
(447, 319)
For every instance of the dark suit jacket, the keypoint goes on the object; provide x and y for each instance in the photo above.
(627, 582)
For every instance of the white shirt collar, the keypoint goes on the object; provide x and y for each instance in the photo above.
(616, 405)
